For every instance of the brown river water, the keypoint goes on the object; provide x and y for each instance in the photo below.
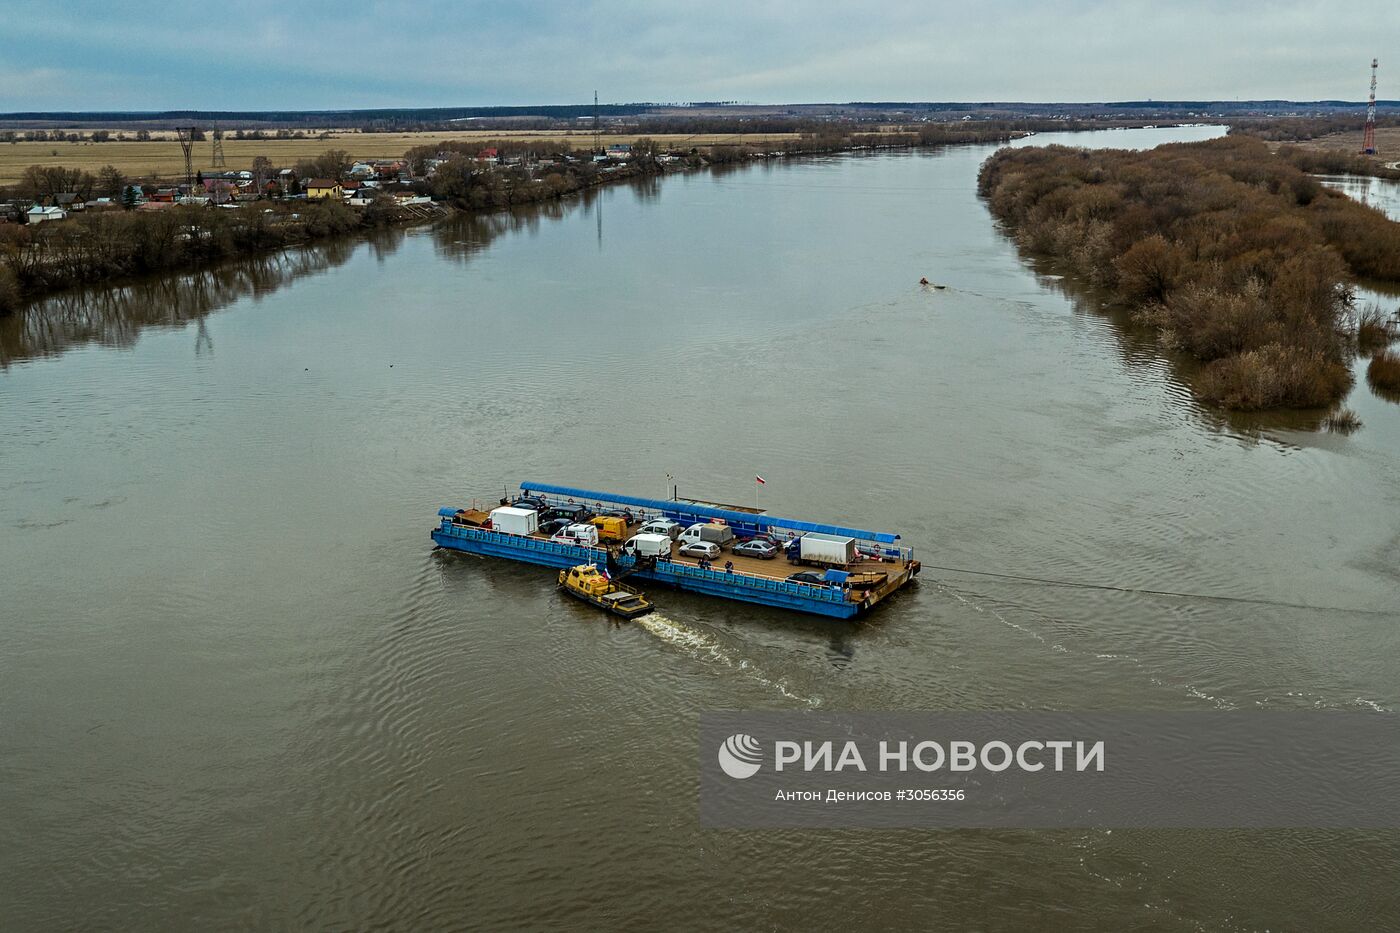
(239, 688)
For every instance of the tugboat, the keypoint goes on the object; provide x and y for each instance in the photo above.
(593, 586)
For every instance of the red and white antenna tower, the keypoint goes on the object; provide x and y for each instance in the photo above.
(1368, 139)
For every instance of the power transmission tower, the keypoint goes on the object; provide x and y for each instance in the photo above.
(597, 134)
(216, 137)
(186, 134)
(1368, 141)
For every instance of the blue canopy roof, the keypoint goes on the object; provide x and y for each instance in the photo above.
(709, 511)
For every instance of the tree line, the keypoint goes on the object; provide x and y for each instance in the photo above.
(98, 246)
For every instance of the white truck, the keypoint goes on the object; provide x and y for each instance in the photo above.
(826, 550)
(648, 545)
(713, 532)
(515, 521)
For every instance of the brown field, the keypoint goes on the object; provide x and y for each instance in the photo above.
(162, 157)
(1387, 143)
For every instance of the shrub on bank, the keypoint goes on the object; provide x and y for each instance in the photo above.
(9, 291)
(1275, 376)
(1342, 421)
(1383, 374)
(1373, 330)
(1236, 256)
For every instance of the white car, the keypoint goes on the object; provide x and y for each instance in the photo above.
(698, 549)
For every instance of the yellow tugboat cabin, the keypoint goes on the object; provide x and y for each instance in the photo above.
(588, 583)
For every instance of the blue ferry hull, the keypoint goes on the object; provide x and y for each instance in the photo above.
(767, 592)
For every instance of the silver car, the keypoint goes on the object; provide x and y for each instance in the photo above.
(698, 549)
(761, 548)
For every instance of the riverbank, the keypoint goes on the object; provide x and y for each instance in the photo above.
(111, 246)
(1238, 258)
(107, 247)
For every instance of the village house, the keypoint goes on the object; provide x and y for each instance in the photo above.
(317, 188)
(39, 214)
(619, 151)
(365, 196)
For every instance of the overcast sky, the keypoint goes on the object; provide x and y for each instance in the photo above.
(264, 54)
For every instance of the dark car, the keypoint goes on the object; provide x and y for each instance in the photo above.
(761, 548)
(531, 502)
(577, 514)
(554, 526)
(809, 576)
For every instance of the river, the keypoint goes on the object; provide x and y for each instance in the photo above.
(239, 688)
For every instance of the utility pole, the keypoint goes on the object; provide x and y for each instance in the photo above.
(186, 134)
(1368, 140)
(216, 137)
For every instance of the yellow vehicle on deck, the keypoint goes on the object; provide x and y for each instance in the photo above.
(588, 583)
(609, 527)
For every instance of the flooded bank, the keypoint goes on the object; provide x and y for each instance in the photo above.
(241, 689)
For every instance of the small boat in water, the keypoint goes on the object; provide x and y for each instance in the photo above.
(593, 586)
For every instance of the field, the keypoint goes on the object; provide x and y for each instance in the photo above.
(162, 157)
(1387, 143)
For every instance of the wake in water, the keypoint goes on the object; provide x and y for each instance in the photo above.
(1191, 689)
(706, 648)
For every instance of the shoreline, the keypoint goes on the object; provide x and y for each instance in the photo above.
(33, 271)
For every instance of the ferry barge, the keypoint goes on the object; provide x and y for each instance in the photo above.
(851, 571)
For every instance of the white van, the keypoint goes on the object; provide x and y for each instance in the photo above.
(717, 534)
(648, 545)
(585, 535)
(662, 526)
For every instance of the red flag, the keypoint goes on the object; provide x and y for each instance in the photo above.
(761, 481)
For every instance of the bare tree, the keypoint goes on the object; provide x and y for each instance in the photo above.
(110, 182)
(262, 170)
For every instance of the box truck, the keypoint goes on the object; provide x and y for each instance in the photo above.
(823, 549)
(514, 521)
